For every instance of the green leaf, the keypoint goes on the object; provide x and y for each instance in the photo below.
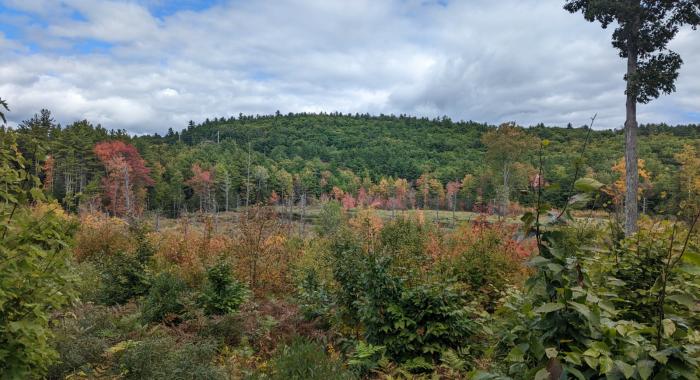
(684, 299)
(645, 368)
(587, 185)
(581, 308)
(576, 373)
(669, 327)
(551, 352)
(660, 356)
(592, 362)
(549, 307)
(542, 374)
(692, 257)
(626, 369)
(517, 354)
(555, 268)
(537, 261)
(579, 200)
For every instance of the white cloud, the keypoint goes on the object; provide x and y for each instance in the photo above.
(529, 61)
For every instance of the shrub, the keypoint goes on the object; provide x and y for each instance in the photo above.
(330, 218)
(81, 337)
(306, 360)
(486, 258)
(164, 302)
(314, 298)
(163, 359)
(414, 324)
(88, 288)
(124, 277)
(225, 329)
(100, 236)
(222, 293)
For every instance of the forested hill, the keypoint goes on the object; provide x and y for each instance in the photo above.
(400, 146)
(315, 153)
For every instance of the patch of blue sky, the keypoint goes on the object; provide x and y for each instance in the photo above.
(692, 116)
(259, 75)
(89, 46)
(164, 8)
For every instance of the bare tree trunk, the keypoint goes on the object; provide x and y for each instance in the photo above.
(303, 213)
(631, 172)
(454, 210)
(505, 197)
(247, 181)
(227, 189)
(290, 220)
(437, 210)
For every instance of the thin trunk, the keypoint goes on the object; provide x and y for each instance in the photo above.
(505, 198)
(437, 210)
(631, 172)
(454, 210)
(227, 189)
(290, 203)
(303, 213)
(247, 181)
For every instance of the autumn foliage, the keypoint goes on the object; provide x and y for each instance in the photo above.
(126, 177)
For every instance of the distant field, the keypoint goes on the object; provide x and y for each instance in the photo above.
(225, 219)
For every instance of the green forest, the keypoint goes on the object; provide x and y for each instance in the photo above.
(314, 246)
(398, 162)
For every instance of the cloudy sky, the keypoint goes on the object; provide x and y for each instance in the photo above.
(152, 64)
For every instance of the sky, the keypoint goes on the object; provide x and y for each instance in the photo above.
(149, 65)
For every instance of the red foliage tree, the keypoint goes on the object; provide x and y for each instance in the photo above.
(201, 182)
(126, 179)
(348, 201)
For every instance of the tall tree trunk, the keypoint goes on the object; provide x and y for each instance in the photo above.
(303, 213)
(247, 182)
(505, 199)
(631, 170)
(454, 210)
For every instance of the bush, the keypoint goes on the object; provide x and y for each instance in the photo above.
(100, 236)
(124, 277)
(84, 333)
(163, 359)
(164, 302)
(313, 297)
(88, 288)
(222, 293)
(330, 218)
(487, 259)
(225, 329)
(305, 360)
(81, 337)
(414, 324)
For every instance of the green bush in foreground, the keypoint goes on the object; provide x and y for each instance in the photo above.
(164, 302)
(34, 275)
(305, 360)
(222, 294)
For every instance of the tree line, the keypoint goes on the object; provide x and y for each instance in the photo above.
(390, 162)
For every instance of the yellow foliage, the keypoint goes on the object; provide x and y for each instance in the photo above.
(618, 188)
